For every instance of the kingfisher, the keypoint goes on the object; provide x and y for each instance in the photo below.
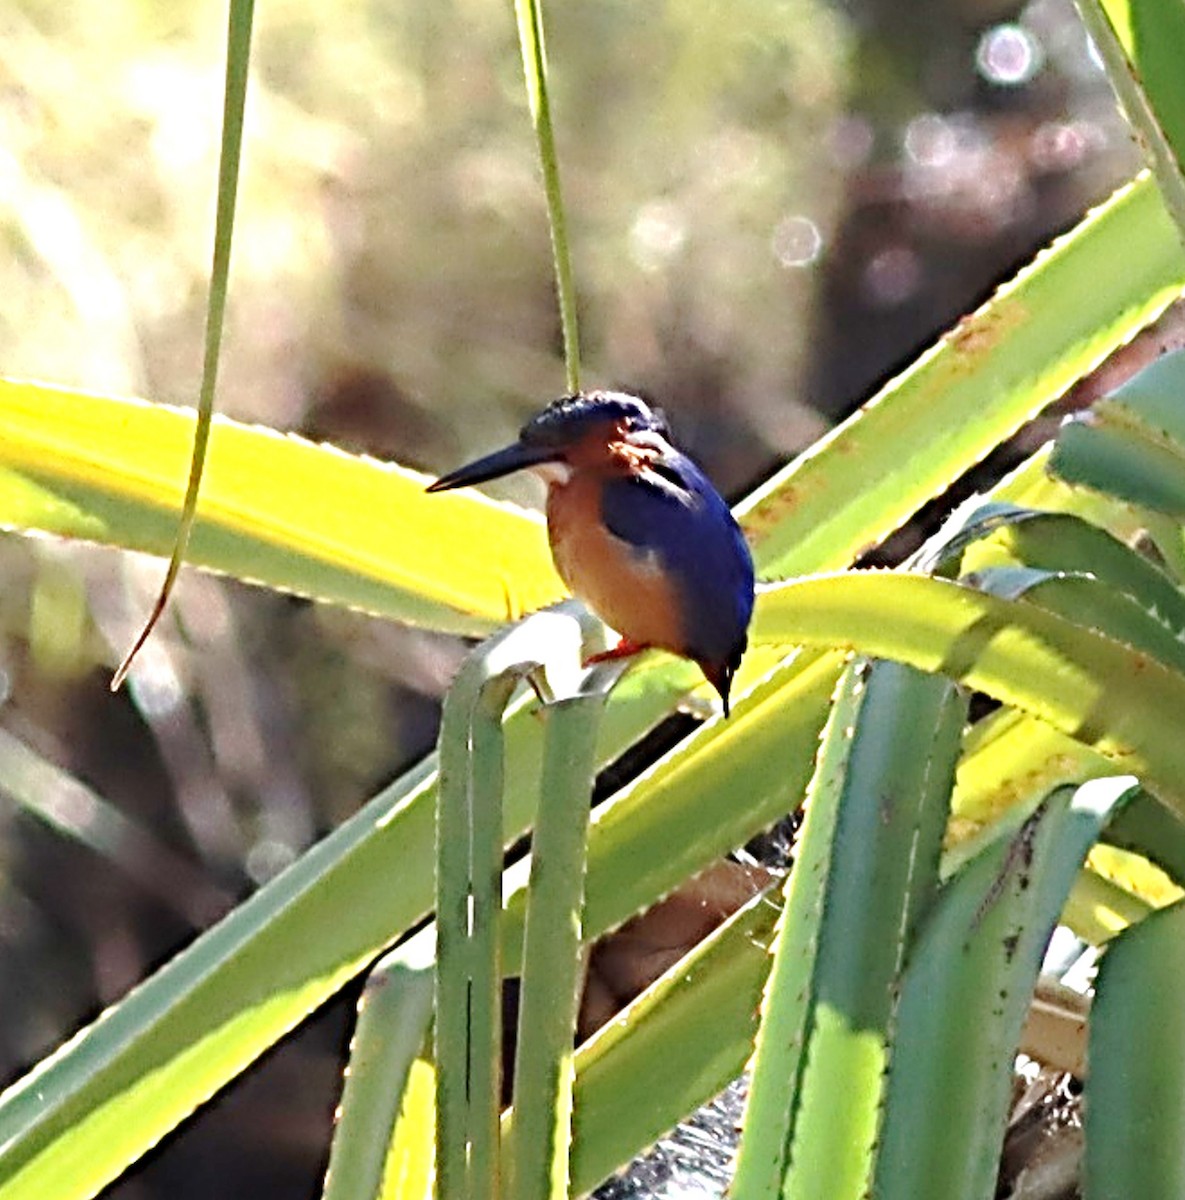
(637, 531)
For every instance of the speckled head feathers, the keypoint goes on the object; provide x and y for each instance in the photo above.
(570, 418)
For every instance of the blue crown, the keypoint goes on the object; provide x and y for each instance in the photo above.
(571, 418)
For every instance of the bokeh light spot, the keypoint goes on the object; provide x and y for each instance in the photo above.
(931, 140)
(797, 242)
(1063, 145)
(1009, 55)
(892, 277)
(267, 858)
(657, 235)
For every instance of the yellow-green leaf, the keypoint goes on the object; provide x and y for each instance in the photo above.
(1119, 700)
(274, 509)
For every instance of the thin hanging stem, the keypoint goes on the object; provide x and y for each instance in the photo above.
(530, 35)
(238, 56)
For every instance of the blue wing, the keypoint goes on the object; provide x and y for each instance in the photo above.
(682, 520)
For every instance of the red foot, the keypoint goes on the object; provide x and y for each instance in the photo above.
(624, 649)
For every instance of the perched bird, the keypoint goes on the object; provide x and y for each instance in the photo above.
(636, 530)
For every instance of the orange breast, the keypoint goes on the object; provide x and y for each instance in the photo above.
(627, 590)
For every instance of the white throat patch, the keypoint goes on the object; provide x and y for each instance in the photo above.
(552, 472)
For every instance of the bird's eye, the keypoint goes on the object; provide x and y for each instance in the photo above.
(637, 422)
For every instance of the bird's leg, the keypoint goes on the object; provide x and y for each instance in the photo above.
(624, 649)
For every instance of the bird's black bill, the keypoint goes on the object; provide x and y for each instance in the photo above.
(494, 466)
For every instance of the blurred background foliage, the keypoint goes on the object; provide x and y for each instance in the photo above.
(772, 206)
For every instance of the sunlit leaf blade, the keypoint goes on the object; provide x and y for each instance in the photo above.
(468, 984)
(1139, 43)
(276, 510)
(1032, 486)
(549, 991)
(1153, 35)
(729, 780)
(1151, 830)
(394, 1015)
(1082, 601)
(686, 812)
(1066, 543)
(1048, 327)
(884, 874)
(1135, 1123)
(1036, 520)
(1118, 700)
(692, 1030)
(1123, 462)
(410, 1172)
(365, 906)
(1131, 444)
(1009, 759)
(787, 1004)
(72, 1126)
(1096, 909)
(1133, 872)
(469, 849)
(866, 867)
(967, 987)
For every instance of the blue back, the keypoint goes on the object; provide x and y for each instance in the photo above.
(698, 542)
